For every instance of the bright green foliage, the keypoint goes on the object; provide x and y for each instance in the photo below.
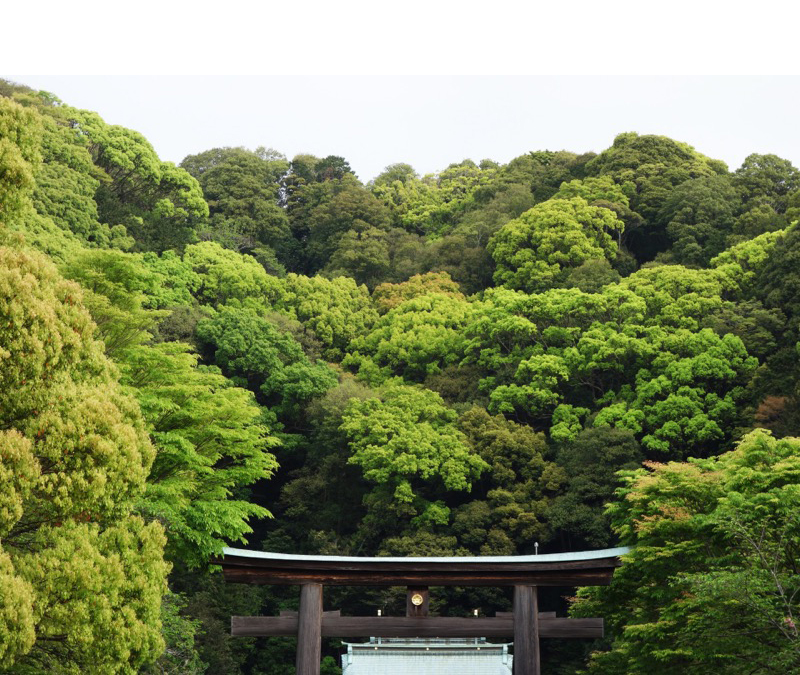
(689, 398)
(602, 189)
(20, 159)
(226, 276)
(389, 296)
(599, 366)
(20, 138)
(537, 250)
(66, 185)
(176, 283)
(180, 634)
(433, 204)
(742, 262)
(513, 493)
(17, 623)
(711, 585)
(116, 286)
(634, 355)
(337, 310)
(256, 354)
(407, 443)
(510, 335)
(415, 339)
(210, 442)
(97, 609)
(208, 434)
(676, 296)
(415, 204)
(75, 564)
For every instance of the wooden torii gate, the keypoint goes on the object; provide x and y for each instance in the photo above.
(525, 573)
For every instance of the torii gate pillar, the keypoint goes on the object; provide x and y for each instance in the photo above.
(526, 631)
(309, 630)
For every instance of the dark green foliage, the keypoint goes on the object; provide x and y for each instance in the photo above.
(648, 168)
(257, 355)
(591, 460)
(699, 217)
(242, 191)
(510, 511)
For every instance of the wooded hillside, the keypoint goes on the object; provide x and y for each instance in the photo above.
(253, 350)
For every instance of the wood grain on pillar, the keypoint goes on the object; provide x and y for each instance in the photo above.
(309, 630)
(526, 631)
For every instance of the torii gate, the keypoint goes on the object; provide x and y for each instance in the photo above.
(525, 573)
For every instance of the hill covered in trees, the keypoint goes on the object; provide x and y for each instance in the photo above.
(248, 349)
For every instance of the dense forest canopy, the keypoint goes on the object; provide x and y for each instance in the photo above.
(574, 350)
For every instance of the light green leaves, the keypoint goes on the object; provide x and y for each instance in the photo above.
(74, 456)
(537, 250)
(407, 439)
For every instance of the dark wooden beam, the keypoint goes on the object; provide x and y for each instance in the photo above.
(309, 630)
(331, 612)
(526, 631)
(486, 577)
(543, 616)
(401, 626)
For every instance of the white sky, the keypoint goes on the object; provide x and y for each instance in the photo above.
(428, 83)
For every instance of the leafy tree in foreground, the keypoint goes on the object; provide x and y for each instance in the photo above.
(82, 578)
(210, 443)
(712, 583)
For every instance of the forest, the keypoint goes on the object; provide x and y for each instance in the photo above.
(569, 350)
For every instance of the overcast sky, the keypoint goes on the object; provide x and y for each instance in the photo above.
(427, 83)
